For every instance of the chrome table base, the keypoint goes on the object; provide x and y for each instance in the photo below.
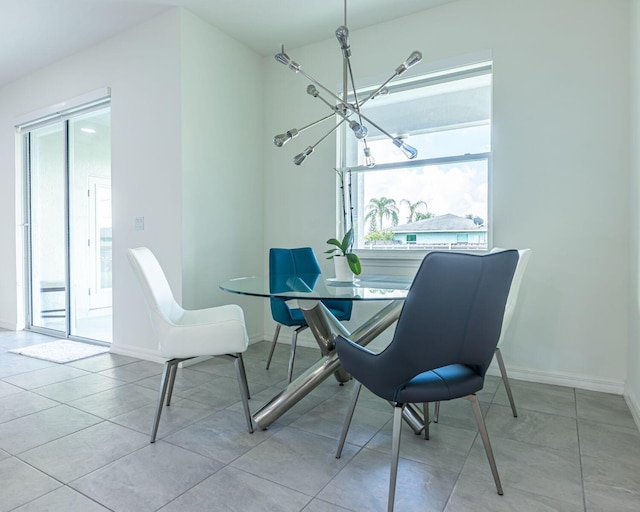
(326, 328)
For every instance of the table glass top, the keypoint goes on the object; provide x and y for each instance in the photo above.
(316, 286)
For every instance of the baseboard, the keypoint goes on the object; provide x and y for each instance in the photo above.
(634, 406)
(616, 387)
(256, 338)
(138, 352)
(9, 326)
(570, 380)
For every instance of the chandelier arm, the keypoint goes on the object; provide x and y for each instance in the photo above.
(356, 104)
(411, 61)
(335, 108)
(377, 91)
(299, 158)
(312, 91)
(333, 95)
(355, 94)
(310, 125)
(329, 132)
(409, 151)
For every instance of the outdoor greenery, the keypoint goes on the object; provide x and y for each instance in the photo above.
(374, 236)
(478, 221)
(379, 209)
(413, 210)
(383, 214)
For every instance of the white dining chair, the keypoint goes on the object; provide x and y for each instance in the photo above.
(510, 307)
(512, 299)
(184, 334)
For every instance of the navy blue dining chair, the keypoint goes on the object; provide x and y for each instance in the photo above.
(444, 341)
(299, 263)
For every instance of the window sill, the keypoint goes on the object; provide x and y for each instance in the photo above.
(396, 262)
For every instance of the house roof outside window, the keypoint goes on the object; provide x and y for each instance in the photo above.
(441, 223)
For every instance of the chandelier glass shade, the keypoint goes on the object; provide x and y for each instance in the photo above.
(345, 111)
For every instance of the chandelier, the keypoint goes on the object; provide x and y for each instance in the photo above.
(347, 112)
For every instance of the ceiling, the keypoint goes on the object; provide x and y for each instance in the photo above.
(38, 32)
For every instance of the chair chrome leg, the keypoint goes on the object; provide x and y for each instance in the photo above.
(395, 454)
(347, 420)
(426, 420)
(244, 372)
(244, 389)
(273, 344)
(292, 356)
(505, 379)
(172, 379)
(166, 372)
(485, 440)
(436, 412)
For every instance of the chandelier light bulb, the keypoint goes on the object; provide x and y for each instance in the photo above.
(298, 159)
(342, 34)
(281, 139)
(411, 61)
(369, 161)
(358, 130)
(283, 58)
(409, 151)
(312, 91)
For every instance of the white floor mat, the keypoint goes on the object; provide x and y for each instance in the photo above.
(61, 351)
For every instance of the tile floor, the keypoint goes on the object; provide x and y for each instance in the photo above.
(74, 437)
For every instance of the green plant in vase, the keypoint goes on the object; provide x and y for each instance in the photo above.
(342, 252)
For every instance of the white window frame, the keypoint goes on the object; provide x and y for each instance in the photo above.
(346, 177)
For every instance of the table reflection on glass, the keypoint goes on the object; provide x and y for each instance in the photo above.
(309, 290)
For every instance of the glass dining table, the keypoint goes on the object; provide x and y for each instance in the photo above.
(309, 290)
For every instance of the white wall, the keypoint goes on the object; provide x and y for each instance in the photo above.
(142, 68)
(222, 180)
(632, 390)
(186, 115)
(560, 174)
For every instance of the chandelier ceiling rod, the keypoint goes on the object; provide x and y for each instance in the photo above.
(343, 108)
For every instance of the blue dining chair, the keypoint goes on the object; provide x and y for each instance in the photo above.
(300, 263)
(445, 338)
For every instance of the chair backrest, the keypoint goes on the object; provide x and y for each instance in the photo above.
(161, 304)
(297, 268)
(301, 260)
(284, 263)
(452, 314)
(514, 291)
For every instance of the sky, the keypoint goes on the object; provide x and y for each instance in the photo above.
(459, 188)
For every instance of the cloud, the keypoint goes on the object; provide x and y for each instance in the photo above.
(459, 188)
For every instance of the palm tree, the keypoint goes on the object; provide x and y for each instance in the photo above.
(381, 208)
(424, 216)
(413, 209)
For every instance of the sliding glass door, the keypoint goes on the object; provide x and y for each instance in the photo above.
(47, 159)
(69, 211)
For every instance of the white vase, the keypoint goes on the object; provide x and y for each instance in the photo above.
(343, 272)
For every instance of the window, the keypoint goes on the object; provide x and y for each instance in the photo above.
(439, 200)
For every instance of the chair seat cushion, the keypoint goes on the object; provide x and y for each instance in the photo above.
(445, 383)
(293, 317)
(340, 314)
